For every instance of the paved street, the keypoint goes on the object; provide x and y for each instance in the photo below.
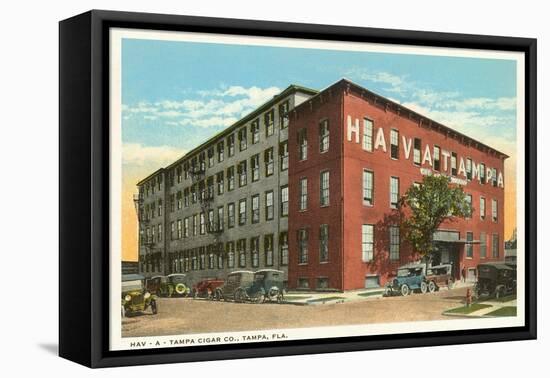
(185, 315)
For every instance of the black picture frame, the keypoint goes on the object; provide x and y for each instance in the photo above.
(84, 189)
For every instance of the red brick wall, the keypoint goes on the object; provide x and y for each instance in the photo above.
(346, 213)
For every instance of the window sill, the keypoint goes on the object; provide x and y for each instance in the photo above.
(302, 264)
(322, 206)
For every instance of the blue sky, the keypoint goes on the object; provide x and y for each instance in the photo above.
(177, 94)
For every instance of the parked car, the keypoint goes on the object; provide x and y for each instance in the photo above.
(169, 286)
(235, 281)
(154, 284)
(409, 278)
(206, 288)
(439, 276)
(495, 280)
(135, 297)
(267, 286)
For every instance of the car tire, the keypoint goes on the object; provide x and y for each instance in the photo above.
(499, 293)
(405, 290)
(388, 292)
(432, 287)
(154, 308)
(423, 287)
(239, 296)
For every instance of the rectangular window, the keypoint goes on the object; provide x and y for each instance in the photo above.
(368, 133)
(269, 120)
(220, 182)
(417, 148)
(194, 194)
(469, 169)
(284, 201)
(231, 145)
(302, 246)
(211, 157)
(186, 227)
(255, 251)
(179, 174)
(256, 208)
(469, 245)
(230, 249)
(153, 239)
(159, 234)
(394, 192)
(179, 202)
(324, 136)
(241, 171)
(367, 242)
(211, 259)
(470, 207)
(283, 248)
(324, 188)
(496, 246)
(230, 178)
(394, 144)
(172, 231)
(283, 155)
(186, 170)
(179, 229)
(269, 205)
(268, 159)
(482, 173)
(482, 208)
(495, 210)
(437, 158)
(230, 215)
(268, 248)
(210, 187)
(255, 165)
(323, 243)
(220, 219)
(172, 203)
(220, 151)
(453, 164)
(368, 188)
(202, 224)
(186, 197)
(494, 177)
(242, 212)
(159, 208)
(202, 260)
(303, 194)
(195, 224)
(255, 131)
(210, 225)
(242, 139)
(394, 243)
(283, 114)
(220, 256)
(483, 245)
(202, 161)
(241, 251)
(302, 144)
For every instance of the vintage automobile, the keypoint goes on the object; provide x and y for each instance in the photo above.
(409, 278)
(438, 276)
(135, 298)
(206, 288)
(235, 281)
(495, 280)
(267, 286)
(169, 286)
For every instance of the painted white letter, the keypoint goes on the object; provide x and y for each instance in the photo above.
(427, 155)
(353, 129)
(500, 180)
(462, 167)
(446, 155)
(407, 147)
(380, 140)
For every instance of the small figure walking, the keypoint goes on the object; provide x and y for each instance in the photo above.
(463, 274)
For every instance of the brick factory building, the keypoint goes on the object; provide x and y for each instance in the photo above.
(308, 183)
(352, 155)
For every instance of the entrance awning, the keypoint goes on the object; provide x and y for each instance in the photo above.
(445, 236)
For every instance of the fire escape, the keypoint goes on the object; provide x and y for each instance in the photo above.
(145, 241)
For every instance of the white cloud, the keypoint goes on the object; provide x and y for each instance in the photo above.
(139, 155)
(214, 108)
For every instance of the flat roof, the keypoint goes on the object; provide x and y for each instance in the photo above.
(290, 89)
(399, 106)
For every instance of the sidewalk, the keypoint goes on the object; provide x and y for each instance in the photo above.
(486, 309)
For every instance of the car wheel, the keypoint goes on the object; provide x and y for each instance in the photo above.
(154, 308)
(432, 287)
(405, 290)
(209, 294)
(423, 287)
(388, 291)
(280, 298)
(258, 298)
(499, 293)
(239, 296)
(194, 293)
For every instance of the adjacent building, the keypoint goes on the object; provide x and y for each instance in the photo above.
(308, 183)
(224, 205)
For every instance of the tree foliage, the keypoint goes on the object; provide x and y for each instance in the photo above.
(431, 203)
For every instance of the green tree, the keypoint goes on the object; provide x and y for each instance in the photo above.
(431, 203)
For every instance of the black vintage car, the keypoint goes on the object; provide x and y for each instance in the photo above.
(267, 286)
(234, 284)
(495, 280)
